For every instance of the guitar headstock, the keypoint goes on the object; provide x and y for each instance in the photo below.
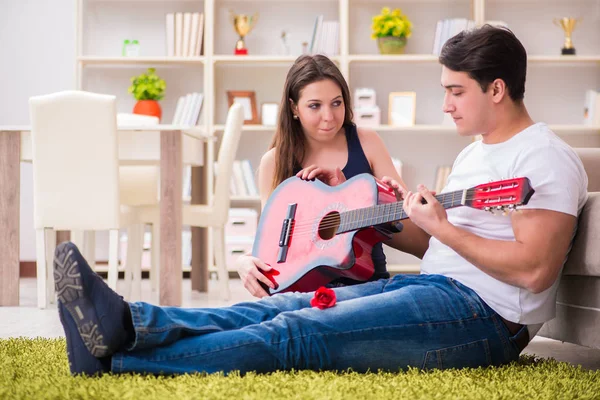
(502, 195)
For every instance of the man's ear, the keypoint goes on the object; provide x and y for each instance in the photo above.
(499, 90)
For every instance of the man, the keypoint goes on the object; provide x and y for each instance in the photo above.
(487, 283)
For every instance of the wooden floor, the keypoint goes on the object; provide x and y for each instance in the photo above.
(29, 321)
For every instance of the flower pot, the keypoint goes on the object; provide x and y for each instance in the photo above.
(148, 107)
(391, 44)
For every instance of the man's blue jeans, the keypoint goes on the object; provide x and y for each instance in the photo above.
(425, 321)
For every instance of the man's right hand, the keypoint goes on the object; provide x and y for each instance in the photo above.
(248, 269)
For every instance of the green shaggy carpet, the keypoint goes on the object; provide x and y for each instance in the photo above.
(38, 369)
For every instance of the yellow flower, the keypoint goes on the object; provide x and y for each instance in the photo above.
(390, 23)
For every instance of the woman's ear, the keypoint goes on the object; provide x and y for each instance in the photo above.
(293, 106)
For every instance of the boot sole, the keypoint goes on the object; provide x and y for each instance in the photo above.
(69, 290)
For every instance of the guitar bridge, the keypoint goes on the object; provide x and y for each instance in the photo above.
(286, 233)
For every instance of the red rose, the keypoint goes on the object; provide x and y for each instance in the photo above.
(324, 298)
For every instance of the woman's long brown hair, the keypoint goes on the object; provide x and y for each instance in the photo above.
(289, 140)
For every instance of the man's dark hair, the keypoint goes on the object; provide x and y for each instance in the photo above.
(486, 54)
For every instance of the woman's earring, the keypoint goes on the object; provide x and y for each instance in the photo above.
(295, 116)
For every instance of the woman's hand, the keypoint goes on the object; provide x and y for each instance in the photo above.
(331, 177)
(248, 268)
(399, 190)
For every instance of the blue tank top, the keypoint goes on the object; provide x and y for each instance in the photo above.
(359, 164)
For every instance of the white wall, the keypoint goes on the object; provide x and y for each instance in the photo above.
(37, 56)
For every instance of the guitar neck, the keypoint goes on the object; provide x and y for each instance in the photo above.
(385, 213)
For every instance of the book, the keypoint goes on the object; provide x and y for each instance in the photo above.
(170, 34)
(198, 49)
(249, 178)
(178, 34)
(187, 30)
(196, 108)
(178, 111)
(238, 174)
(193, 34)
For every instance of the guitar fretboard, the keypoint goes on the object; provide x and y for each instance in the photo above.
(384, 213)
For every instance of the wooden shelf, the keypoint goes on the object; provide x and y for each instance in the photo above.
(248, 128)
(393, 58)
(240, 199)
(564, 59)
(259, 59)
(124, 61)
(434, 59)
(573, 129)
(435, 129)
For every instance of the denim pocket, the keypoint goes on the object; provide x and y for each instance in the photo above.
(473, 354)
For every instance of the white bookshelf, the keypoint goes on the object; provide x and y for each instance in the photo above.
(555, 88)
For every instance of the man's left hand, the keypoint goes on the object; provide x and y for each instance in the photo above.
(430, 217)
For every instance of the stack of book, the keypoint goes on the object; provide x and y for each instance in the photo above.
(325, 38)
(446, 28)
(184, 33)
(187, 110)
(242, 181)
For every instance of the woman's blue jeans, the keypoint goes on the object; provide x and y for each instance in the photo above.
(425, 321)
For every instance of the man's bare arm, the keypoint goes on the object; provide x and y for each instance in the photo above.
(532, 261)
(412, 240)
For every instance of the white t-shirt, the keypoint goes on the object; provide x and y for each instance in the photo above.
(560, 183)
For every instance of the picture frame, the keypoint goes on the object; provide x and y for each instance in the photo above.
(247, 98)
(402, 108)
(269, 113)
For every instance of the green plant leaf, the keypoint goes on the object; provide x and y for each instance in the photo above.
(147, 86)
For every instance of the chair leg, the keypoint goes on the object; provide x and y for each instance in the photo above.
(133, 270)
(155, 258)
(78, 239)
(50, 245)
(223, 273)
(41, 268)
(113, 258)
(89, 248)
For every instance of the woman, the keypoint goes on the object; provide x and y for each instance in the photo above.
(316, 138)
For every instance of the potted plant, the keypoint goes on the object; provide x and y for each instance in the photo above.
(391, 29)
(147, 89)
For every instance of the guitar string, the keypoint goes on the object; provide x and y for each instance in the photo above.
(331, 221)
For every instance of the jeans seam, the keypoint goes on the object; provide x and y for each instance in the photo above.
(469, 301)
(137, 322)
(505, 338)
(195, 354)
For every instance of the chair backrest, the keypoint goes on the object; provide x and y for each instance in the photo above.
(590, 156)
(75, 161)
(227, 151)
(138, 184)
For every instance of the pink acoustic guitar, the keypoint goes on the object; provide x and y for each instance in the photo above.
(312, 233)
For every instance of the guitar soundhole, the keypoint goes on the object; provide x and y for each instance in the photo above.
(329, 225)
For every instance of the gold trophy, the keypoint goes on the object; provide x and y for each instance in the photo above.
(568, 25)
(242, 24)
